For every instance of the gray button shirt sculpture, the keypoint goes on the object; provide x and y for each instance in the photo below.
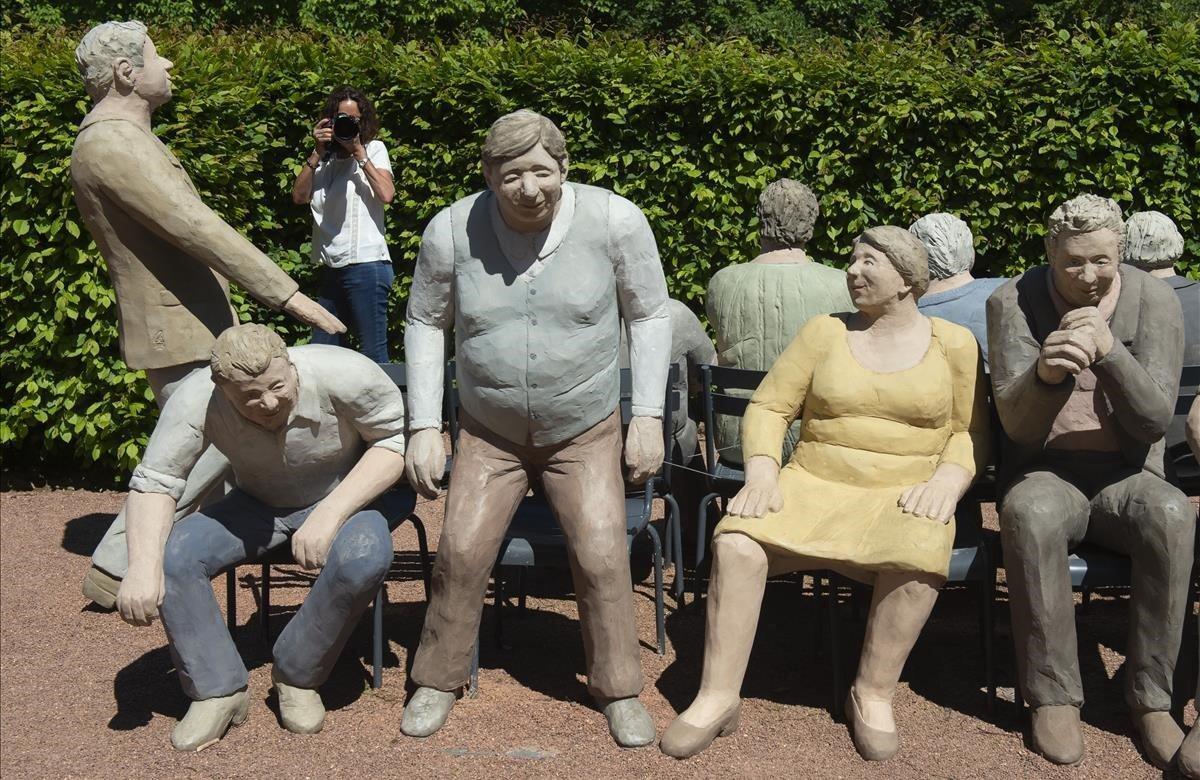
(534, 276)
(1086, 357)
(954, 294)
(169, 256)
(1153, 243)
(314, 435)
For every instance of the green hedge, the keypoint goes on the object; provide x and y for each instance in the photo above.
(884, 130)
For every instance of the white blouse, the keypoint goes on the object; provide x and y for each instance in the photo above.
(347, 217)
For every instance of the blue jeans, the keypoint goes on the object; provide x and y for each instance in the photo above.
(241, 528)
(357, 294)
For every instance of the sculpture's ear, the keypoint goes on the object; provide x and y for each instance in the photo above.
(123, 75)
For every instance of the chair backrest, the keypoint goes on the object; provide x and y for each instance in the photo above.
(715, 384)
(1189, 380)
(397, 373)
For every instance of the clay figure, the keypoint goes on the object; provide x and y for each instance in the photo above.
(314, 436)
(954, 294)
(1154, 244)
(1189, 751)
(895, 428)
(1086, 356)
(757, 308)
(534, 276)
(168, 255)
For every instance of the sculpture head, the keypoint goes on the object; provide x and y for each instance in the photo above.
(949, 243)
(120, 57)
(250, 367)
(1152, 241)
(1084, 240)
(888, 265)
(525, 165)
(787, 212)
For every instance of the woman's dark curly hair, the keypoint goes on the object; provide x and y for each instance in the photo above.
(368, 125)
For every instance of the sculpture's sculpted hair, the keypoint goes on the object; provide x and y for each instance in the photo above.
(1085, 214)
(948, 241)
(248, 348)
(787, 211)
(904, 251)
(512, 135)
(104, 43)
(1152, 241)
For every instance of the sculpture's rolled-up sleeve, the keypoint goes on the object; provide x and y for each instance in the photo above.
(642, 297)
(139, 176)
(969, 442)
(366, 396)
(177, 443)
(779, 398)
(430, 314)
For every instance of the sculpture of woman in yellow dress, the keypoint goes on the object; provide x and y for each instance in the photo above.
(893, 406)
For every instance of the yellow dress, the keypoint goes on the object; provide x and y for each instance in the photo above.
(867, 436)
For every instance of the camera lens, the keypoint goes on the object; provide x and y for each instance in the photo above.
(345, 127)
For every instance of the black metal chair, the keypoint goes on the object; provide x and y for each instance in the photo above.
(400, 499)
(534, 537)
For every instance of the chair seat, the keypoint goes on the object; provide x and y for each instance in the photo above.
(968, 564)
(535, 538)
(727, 479)
(1092, 566)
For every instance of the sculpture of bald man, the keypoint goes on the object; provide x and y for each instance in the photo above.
(534, 275)
(954, 294)
(1086, 357)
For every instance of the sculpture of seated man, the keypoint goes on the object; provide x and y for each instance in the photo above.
(757, 308)
(1154, 244)
(314, 436)
(895, 428)
(1086, 357)
(1189, 752)
(954, 294)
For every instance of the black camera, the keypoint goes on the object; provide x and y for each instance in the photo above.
(345, 127)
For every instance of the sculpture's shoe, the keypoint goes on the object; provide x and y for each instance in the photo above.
(872, 743)
(426, 711)
(629, 723)
(1056, 733)
(300, 709)
(101, 588)
(1161, 736)
(208, 719)
(1189, 754)
(683, 740)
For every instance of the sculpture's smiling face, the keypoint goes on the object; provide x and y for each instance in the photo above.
(872, 279)
(1084, 265)
(267, 400)
(528, 189)
(153, 81)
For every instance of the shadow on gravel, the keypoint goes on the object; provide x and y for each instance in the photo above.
(82, 534)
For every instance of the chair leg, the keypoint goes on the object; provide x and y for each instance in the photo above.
(818, 588)
(1087, 598)
(231, 599)
(674, 529)
(835, 654)
(522, 589)
(423, 546)
(498, 627)
(659, 606)
(701, 532)
(988, 598)
(473, 683)
(264, 615)
(377, 639)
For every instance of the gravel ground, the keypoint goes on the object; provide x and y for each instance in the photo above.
(83, 694)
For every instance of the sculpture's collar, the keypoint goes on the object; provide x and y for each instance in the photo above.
(523, 249)
(308, 400)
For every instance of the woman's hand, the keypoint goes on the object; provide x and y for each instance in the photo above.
(937, 498)
(355, 147)
(761, 493)
(323, 134)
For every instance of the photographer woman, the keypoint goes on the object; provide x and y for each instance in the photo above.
(347, 180)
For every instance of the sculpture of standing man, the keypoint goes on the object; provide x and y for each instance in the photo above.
(533, 275)
(1085, 356)
(169, 256)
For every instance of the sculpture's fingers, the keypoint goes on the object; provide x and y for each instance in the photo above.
(776, 502)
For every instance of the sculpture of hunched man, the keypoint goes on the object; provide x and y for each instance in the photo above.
(169, 256)
(533, 275)
(315, 437)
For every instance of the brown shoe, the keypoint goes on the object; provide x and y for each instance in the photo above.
(1189, 754)
(871, 743)
(683, 740)
(1056, 733)
(1161, 736)
(101, 588)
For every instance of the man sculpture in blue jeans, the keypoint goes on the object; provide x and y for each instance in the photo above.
(314, 436)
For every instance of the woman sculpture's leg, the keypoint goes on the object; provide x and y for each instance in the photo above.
(900, 605)
(735, 595)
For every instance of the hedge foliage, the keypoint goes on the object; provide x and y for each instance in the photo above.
(883, 130)
(766, 22)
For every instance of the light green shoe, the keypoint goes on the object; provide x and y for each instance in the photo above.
(629, 723)
(300, 709)
(426, 712)
(101, 588)
(207, 721)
